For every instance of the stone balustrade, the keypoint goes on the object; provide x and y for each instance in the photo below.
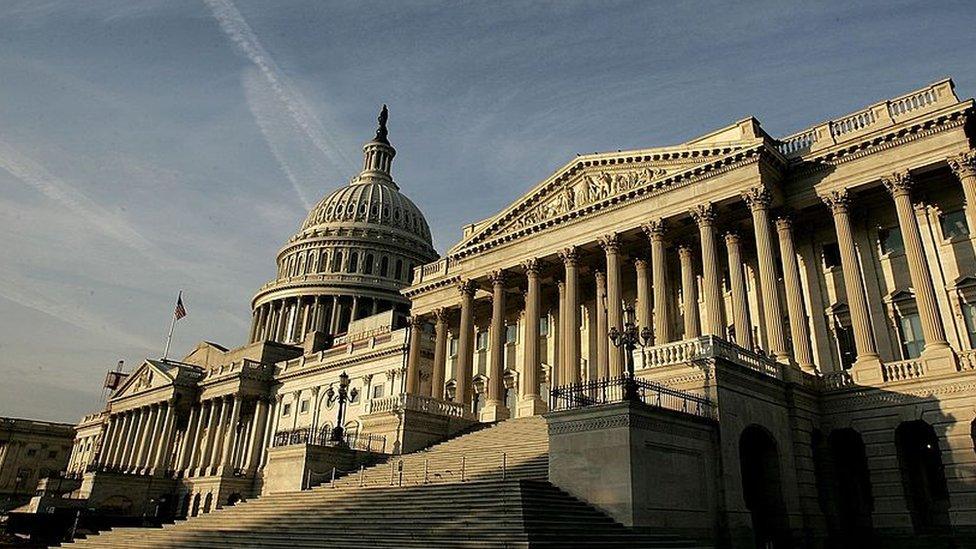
(877, 116)
(902, 370)
(705, 347)
(417, 403)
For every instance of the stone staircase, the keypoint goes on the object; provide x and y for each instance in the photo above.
(431, 500)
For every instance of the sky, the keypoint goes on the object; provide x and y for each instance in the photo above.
(153, 146)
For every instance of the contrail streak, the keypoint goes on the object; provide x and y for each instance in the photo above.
(233, 24)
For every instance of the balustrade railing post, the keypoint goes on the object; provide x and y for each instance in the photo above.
(392, 472)
(400, 473)
(362, 470)
(333, 477)
(504, 465)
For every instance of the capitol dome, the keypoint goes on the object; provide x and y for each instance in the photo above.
(353, 253)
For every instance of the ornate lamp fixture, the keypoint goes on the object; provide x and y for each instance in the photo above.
(343, 395)
(629, 339)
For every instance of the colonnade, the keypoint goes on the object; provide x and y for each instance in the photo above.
(652, 303)
(215, 439)
(290, 319)
(136, 441)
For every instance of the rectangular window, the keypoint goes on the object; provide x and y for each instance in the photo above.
(969, 313)
(831, 255)
(889, 239)
(452, 347)
(378, 391)
(911, 336)
(511, 333)
(481, 341)
(954, 224)
(845, 345)
(303, 407)
(286, 410)
(544, 326)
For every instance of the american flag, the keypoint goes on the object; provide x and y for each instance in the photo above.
(180, 311)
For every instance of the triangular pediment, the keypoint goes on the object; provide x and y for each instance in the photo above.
(206, 354)
(591, 180)
(148, 376)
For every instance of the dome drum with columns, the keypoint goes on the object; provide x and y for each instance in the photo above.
(354, 252)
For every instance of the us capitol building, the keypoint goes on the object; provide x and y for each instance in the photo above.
(799, 314)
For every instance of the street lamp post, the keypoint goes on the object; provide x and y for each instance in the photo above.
(629, 339)
(343, 395)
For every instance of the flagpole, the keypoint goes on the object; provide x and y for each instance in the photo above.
(172, 325)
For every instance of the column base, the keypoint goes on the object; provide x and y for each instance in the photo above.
(494, 410)
(531, 405)
(939, 358)
(866, 370)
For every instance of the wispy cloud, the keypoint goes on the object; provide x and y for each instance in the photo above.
(38, 177)
(289, 99)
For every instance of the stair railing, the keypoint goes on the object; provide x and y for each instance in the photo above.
(462, 467)
(504, 465)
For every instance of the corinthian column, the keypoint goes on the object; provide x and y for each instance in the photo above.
(659, 281)
(611, 246)
(463, 388)
(602, 338)
(557, 374)
(230, 435)
(740, 308)
(570, 257)
(643, 295)
(531, 402)
(900, 185)
(689, 292)
(440, 354)
(704, 216)
(867, 366)
(964, 166)
(758, 199)
(495, 409)
(799, 325)
(413, 356)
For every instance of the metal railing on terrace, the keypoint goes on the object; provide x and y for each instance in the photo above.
(366, 442)
(612, 390)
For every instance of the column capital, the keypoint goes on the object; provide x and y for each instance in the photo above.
(685, 251)
(640, 263)
(416, 321)
(703, 214)
(610, 243)
(498, 277)
(898, 183)
(964, 164)
(466, 287)
(654, 229)
(784, 222)
(570, 256)
(839, 201)
(532, 267)
(732, 237)
(441, 314)
(757, 197)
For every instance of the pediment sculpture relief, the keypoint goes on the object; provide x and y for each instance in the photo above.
(584, 191)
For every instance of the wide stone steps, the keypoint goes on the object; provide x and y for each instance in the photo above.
(362, 509)
(525, 514)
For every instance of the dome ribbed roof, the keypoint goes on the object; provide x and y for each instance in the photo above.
(371, 202)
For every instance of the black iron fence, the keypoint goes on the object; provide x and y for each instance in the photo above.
(367, 442)
(608, 391)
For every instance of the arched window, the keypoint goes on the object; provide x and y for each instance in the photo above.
(398, 272)
(353, 262)
(323, 258)
(384, 266)
(762, 486)
(368, 264)
(337, 262)
(852, 482)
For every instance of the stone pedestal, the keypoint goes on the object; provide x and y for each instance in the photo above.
(531, 405)
(939, 359)
(646, 467)
(494, 411)
(410, 430)
(299, 466)
(867, 371)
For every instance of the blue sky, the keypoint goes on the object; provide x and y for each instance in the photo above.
(151, 146)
